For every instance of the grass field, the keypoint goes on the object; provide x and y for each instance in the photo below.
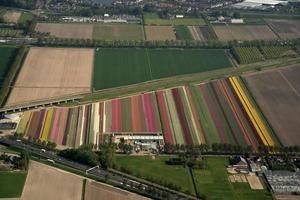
(154, 19)
(25, 17)
(213, 182)
(183, 33)
(11, 184)
(146, 167)
(140, 65)
(6, 57)
(118, 32)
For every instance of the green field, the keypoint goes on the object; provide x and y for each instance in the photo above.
(11, 184)
(6, 58)
(140, 65)
(146, 167)
(271, 52)
(118, 32)
(25, 17)
(154, 19)
(213, 182)
(183, 33)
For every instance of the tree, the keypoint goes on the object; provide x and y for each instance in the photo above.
(106, 155)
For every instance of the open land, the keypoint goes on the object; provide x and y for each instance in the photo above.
(97, 191)
(277, 93)
(183, 33)
(49, 73)
(118, 32)
(154, 19)
(160, 33)
(12, 16)
(11, 184)
(213, 182)
(64, 30)
(196, 33)
(286, 29)
(7, 55)
(44, 182)
(140, 65)
(244, 32)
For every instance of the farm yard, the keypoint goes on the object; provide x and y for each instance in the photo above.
(154, 19)
(213, 113)
(213, 182)
(86, 124)
(271, 52)
(7, 55)
(160, 33)
(246, 55)
(183, 33)
(285, 28)
(118, 32)
(12, 184)
(140, 65)
(277, 94)
(62, 30)
(244, 32)
(49, 73)
(94, 190)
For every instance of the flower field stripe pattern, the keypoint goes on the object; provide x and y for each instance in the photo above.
(252, 113)
(54, 131)
(135, 114)
(47, 125)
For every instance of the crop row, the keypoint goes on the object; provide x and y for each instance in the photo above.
(245, 55)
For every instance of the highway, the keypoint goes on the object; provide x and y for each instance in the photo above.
(114, 177)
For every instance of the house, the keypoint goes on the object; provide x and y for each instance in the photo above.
(237, 21)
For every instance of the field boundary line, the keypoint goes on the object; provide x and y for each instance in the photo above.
(289, 83)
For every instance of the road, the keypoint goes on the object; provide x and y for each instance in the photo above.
(113, 177)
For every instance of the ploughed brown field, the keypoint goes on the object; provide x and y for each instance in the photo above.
(285, 28)
(277, 93)
(48, 183)
(99, 191)
(160, 33)
(63, 30)
(244, 32)
(12, 16)
(51, 73)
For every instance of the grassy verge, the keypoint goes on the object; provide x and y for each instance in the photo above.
(11, 184)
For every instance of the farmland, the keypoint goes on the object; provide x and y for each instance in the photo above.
(286, 29)
(213, 182)
(160, 33)
(140, 65)
(245, 55)
(44, 182)
(183, 33)
(210, 113)
(202, 33)
(154, 19)
(11, 16)
(52, 73)
(8, 32)
(94, 190)
(75, 126)
(7, 55)
(277, 94)
(271, 52)
(11, 184)
(62, 30)
(177, 175)
(244, 32)
(118, 32)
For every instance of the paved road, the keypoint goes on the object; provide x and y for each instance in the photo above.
(113, 176)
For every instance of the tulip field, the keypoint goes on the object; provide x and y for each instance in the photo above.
(216, 112)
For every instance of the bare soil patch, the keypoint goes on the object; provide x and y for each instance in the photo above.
(286, 29)
(99, 191)
(244, 32)
(160, 33)
(12, 16)
(48, 183)
(277, 93)
(62, 30)
(254, 182)
(49, 73)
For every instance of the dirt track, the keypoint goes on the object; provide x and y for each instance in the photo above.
(277, 93)
(52, 72)
(160, 33)
(47, 183)
(66, 30)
